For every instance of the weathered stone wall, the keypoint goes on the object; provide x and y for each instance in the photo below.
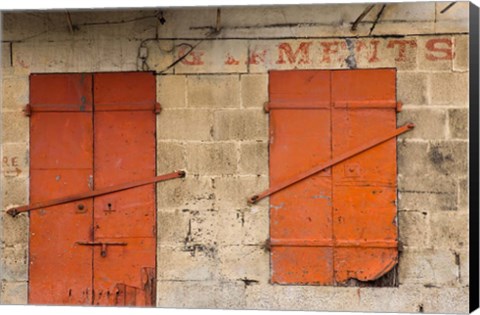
(211, 244)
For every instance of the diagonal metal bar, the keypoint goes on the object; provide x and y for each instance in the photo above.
(54, 202)
(361, 17)
(338, 159)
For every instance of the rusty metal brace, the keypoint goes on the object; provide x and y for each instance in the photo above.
(103, 251)
(340, 158)
(16, 210)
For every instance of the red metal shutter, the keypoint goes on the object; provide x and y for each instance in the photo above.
(93, 132)
(124, 140)
(61, 149)
(340, 223)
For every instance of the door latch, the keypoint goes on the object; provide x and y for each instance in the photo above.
(103, 251)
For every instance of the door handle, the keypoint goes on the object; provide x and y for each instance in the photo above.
(103, 251)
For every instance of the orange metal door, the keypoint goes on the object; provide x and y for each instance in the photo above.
(61, 149)
(124, 123)
(91, 132)
(341, 223)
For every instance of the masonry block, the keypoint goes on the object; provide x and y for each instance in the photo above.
(190, 294)
(15, 127)
(449, 157)
(254, 90)
(449, 230)
(170, 157)
(15, 230)
(172, 227)
(389, 299)
(213, 91)
(247, 226)
(448, 300)
(171, 91)
(429, 123)
(317, 297)
(414, 228)
(449, 89)
(244, 262)
(254, 158)
(458, 123)
(427, 193)
(185, 265)
(14, 293)
(212, 158)
(184, 124)
(14, 191)
(412, 88)
(460, 60)
(202, 231)
(204, 294)
(15, 93)
(434, 268)
(454, 20)
(230, 295)
(193, 230)
(191, 192)
(15, 160)
(432, 159)
(240, 125)
(14, 263)
(233, 192)
(262, 296)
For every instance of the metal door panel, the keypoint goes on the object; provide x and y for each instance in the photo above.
(59, 169)
(340, 223)
(302, 265)
(299, 140)
(364, 189)
(125, 88)
(125, 266)
(61, 92)
(51, 141)
(124, 151)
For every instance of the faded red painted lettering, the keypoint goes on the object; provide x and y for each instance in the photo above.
(402, 47)
(256, 57)
(374, 51)
(442, 47)
(285, 50)
(194, 58)
(329, 48)
(231, 60)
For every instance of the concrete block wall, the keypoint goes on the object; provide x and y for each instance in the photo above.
(211, 243)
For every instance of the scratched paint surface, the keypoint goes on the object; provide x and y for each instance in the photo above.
(74, 150)
(340, 223)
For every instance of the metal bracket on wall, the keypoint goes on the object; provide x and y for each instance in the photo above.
(158, 108)
(17, 210)
(27, 111)
(342, 157)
